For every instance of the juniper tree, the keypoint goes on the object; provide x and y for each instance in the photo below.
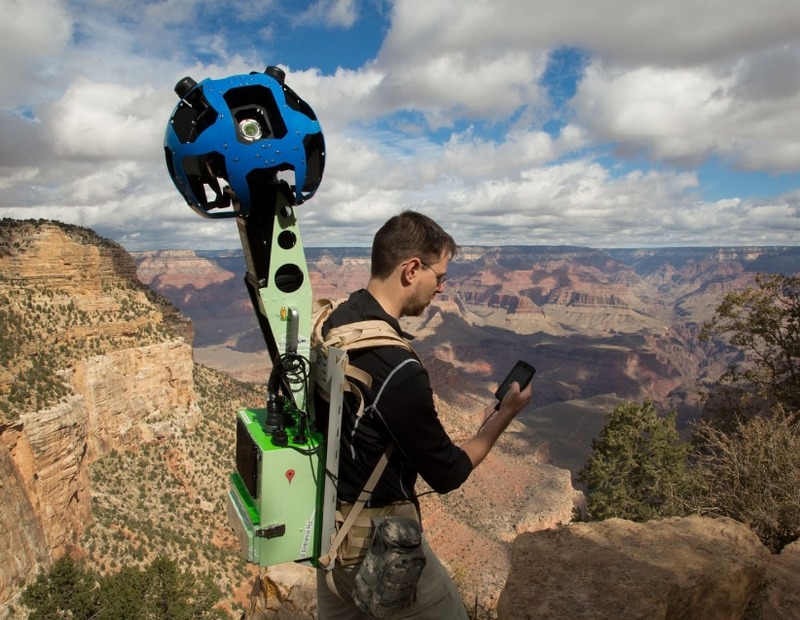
(763, 322)
(637, 469)
(747, 448)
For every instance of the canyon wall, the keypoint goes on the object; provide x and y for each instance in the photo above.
(122, 360)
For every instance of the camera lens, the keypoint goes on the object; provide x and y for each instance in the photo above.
(250, 130)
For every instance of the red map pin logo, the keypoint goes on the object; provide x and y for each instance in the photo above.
(289, 475)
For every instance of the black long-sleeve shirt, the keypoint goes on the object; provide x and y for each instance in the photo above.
(399, 409)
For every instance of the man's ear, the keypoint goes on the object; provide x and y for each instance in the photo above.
(410, 269)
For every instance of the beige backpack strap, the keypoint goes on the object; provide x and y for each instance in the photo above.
(352, 337)
(352, 372)
(328, 560)
(365, 335)
(320, 311)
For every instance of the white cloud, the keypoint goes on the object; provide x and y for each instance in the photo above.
(671, 113)
(101, 121)
(14, 176)
(665, 33)
(685, 115)
(338, 100)
(32, 32)
(452, 86)
(477, 160)
(449, 116)
(108, 183)
(342, 13)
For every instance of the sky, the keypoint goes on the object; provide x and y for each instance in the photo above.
(601, 123)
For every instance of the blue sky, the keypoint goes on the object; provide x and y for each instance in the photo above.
(606, 123)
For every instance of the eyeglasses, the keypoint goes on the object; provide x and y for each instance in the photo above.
(440, 279)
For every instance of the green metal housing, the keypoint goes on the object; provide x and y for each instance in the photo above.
(281, 522)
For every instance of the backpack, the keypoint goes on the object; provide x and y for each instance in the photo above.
(352, 337)
(387, 579)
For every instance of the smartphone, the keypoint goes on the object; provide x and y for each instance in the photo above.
(522, 373)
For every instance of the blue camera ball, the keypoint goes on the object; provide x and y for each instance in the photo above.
(245, 130)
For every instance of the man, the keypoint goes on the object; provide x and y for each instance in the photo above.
(410, 257)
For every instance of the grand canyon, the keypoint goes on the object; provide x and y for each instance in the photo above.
(120, 449)
(600, 326)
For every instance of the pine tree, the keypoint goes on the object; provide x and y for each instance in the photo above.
(638, 466)
(67, 591)
(160, 591)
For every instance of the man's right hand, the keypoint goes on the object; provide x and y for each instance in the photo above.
(515, 401)
(496, 422)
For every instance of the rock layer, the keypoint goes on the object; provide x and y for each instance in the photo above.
(124, 360)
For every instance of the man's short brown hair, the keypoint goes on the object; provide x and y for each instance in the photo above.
(407, 235)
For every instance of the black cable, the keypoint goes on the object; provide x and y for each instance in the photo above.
(295, 370)
(291, 373)
(489, 417)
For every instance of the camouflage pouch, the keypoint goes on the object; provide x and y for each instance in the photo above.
(358, 537)
(387, 580)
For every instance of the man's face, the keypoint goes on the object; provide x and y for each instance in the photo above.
(429, 281)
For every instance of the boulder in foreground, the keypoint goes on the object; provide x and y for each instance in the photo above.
(685, 568)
